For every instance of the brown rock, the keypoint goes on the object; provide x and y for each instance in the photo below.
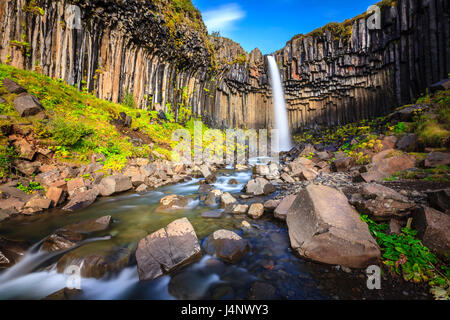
(283, 208)
(172, 202)
(435, 159)
(81, 200)
(383, 203)
(323, 227)
(27, 105)
(440, 200)
(13, 87)
(271, 205)
(26, 150)
(239, 209)
(55, 195)
(226, 245)
(256, 211)
(114, 184)
(11, 252)
(342, 164)
(226, 200)
(434, 229)
(388, 163)
(76, 185)
(167, 249)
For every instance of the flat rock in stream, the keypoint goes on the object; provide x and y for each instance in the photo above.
(11, 252)
(69, 236)
(167, 249)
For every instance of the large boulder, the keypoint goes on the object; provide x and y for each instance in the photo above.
(82, 200)
(282, 209)
(259, 187)
(387, 163)
(167, 249)
(324, 227)
(433, 229)
(114, 184)
(27, 105)
(226, 245)
(382, 203)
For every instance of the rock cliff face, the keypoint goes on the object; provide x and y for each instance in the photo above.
(332, 81)
(163, 56)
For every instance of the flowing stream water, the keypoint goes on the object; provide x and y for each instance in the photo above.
(280, 110)
(270, 262)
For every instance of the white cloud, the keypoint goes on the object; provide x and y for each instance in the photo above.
(223, 18)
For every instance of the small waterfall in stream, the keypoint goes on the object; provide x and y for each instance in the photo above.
(280, 111)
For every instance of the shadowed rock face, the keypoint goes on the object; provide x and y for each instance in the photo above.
(167, 249)
(324, 227)
(327, 80)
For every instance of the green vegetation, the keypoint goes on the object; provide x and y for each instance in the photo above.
(406, 256)
(33, 8)
(7, 156)
(31, 188)
(80, 124)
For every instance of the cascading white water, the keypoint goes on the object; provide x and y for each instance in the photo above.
(280, 111)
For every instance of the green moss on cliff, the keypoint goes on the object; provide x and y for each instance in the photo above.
(79, 124)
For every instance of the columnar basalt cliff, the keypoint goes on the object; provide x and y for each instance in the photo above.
(347, 72)
(165, 58)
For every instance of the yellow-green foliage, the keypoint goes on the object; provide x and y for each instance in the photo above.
(433, 128)
(80, 124)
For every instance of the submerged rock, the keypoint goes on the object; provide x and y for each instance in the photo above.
(226, 245)
(167, 249)
(11, 252)
(69, 236)
(324, 227)
(172, 202)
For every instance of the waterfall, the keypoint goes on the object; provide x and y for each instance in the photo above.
(280, 111)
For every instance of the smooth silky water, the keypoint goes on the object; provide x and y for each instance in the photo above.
(270, 260)
(279, 105)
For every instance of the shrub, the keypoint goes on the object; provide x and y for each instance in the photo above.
(128, 100)
(68, 134)
(7, 156)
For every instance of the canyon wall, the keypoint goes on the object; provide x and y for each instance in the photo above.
(333, 81)
(143, 48)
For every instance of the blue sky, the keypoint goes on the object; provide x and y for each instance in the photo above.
(268, 25)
